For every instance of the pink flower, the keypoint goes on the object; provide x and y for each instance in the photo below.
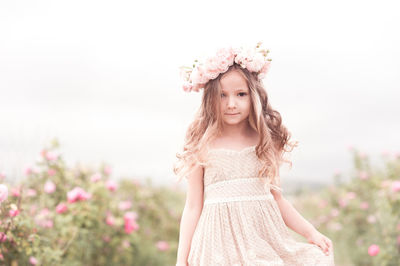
(61, 208)
(364, 205)
(33, 260)
(398, 240)
(31, 192)
(3, 237)
(162, 245)
(28, 171)
(335, 212)
(2, 176)
(126, 244)
(49, 187)
(111, 185)
(351, 195)
(110, 220)
(3, 192)
(15, 192)
(124, 205)
(77, 194)
(51, 156)
(322, 204)
(373, 250)
(95, 177)
(130, 222)
(343, 203)
(371, 219)
(51, 172)
(13, 212)
(363, 175)
(107, 170)
(106, 238)
(396, 186)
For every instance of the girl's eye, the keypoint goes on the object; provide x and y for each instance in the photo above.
(243, 93)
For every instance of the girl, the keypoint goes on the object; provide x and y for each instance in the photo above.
(235, 213)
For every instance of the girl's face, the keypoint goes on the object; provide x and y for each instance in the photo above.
(235, 98)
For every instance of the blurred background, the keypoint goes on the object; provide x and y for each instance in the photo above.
(102, 77)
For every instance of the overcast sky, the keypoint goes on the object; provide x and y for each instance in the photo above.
(103, 78)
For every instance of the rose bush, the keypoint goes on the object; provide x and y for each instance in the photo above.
(60, 215)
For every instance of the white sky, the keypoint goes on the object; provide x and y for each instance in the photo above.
(103, 77)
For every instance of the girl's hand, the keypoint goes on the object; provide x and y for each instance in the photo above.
(320, 240)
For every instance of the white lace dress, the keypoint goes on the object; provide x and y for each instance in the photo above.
(241, 223)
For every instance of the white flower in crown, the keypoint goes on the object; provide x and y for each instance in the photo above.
(254, 59)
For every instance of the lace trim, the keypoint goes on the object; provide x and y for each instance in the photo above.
(230, 151)
(241, 180)
(242, 198)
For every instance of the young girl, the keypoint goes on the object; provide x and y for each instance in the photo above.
(235, 213)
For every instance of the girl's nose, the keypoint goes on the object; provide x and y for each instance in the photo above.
(231, 102)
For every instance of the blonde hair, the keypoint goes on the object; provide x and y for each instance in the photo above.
(207, 124)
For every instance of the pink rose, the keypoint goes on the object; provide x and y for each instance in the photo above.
(396, 186)
(130, 222)
(13, 212)
(335, 212)
(124, 205)
(3, 237)
(61, 208)
(28, 171)
(162, 245)
(49, 187)
(15, 192)
(343, 203)
(51, 172)
(3, 192)
(363, 175)
(31, 192)
(107, 170)
(373, 250)
(33, 260)
(51, 156)
(364, 205)
(351, 195)
(111, 185)
(110, 220)
(95, 177)
(77, 194)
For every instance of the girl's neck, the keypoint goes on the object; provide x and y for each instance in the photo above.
(242, 130)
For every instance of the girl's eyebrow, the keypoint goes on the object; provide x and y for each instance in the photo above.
(237, 90)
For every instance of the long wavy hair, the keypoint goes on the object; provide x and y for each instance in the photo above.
(207, 125)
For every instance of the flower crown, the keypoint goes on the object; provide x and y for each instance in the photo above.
(254, 59)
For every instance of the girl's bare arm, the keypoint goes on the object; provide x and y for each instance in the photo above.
(191, 213)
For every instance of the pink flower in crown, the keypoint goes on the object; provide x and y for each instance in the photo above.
(264, 70)
(249, 58)
(49, 187)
